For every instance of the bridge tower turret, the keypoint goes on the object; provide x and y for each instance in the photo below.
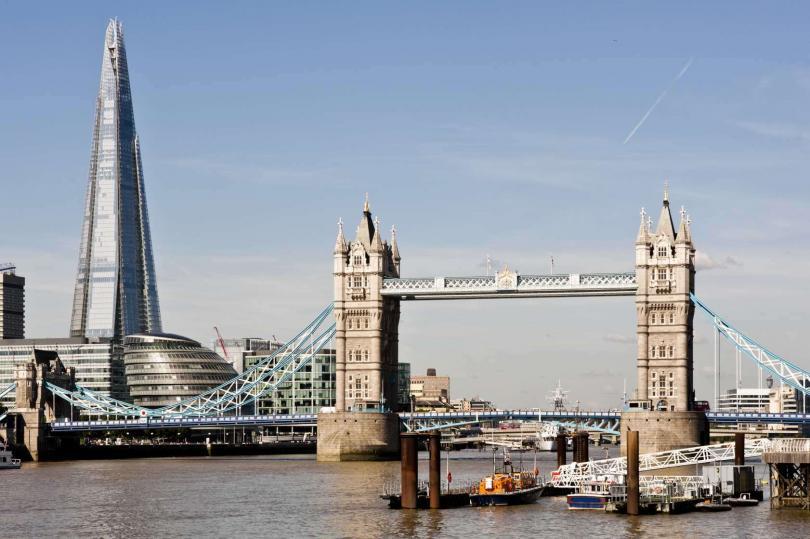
(364, 425)
(665, 272)
(366, 341)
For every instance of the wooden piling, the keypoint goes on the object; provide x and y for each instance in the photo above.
(632, 473)
(409, 449)
(435, 484)
(739, 448)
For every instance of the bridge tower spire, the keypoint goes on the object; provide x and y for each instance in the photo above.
(665, 272)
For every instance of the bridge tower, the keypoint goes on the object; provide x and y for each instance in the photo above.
(665, 273)
(365, 424)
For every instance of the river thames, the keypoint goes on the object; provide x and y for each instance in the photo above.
(294, 496)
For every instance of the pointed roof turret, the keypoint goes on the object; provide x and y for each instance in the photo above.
(665, 225)
(394, 246)
(683, 233)
(642, 229)
(376, 241)
(340, 243)
(365, 230)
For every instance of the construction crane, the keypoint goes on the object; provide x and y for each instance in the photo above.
(222, 344)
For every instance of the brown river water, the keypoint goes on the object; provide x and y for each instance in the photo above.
(294, 496)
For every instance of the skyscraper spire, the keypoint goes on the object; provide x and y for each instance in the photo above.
(116, 288)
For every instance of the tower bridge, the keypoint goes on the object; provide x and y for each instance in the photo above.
(363, 322)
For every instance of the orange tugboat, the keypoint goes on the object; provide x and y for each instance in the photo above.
(507, 486)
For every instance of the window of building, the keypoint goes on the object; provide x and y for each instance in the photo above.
(652, 352)
(365, 322)
(662, 251)
(357, 281)
(661, 351)
(671, 318)
(358, 260)
(669, 351)
(662, 274)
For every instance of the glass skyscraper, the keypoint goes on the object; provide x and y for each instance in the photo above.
(116, 291)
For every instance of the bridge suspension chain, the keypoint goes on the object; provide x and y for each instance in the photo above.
(789, 373)
(261, 379)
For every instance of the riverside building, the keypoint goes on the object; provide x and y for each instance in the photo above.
(162, 369)
(99, 365)
(12, 303)
(309, 390)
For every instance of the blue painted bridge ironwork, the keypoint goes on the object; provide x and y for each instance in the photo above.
(598, 421)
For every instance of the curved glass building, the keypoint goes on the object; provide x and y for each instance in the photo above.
(163, 368)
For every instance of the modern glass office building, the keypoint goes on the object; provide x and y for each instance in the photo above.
(162, 369)
(311, 388)
(116, 291)
(99, 366)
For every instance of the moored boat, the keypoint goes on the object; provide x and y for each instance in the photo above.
(743, 500)
(507, 486)
(591, 495)
(7, 460)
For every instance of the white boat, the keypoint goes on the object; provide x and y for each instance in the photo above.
(6, 459)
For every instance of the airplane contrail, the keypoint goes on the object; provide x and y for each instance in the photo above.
(682, 72)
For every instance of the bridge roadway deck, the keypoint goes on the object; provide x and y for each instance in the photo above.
(307, 420)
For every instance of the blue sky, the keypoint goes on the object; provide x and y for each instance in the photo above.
(477, 128)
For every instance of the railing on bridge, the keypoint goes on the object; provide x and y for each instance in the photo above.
(574, 284)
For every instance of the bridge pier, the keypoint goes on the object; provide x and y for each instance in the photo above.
(665, 431)
(30, 430)
(345, 436)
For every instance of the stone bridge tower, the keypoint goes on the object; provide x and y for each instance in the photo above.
(365, 425)
(367, 337)
(665, 271)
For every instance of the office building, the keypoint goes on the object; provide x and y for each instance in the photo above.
(162, 369)
(309, 390)
(116, 290)
(430, 387)
(236, 351)
(99, 365)
(12, 303)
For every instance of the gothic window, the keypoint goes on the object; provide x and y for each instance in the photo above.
(669, 351)
(357, 281)
(662, 251)
(365, 321)
(652, 352)
(358, 260)
(671, 318)
(662, 318)
(365, 355)
(661, 351)
(662, 274)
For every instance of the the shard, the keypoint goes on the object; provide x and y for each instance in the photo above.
(116, 292)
